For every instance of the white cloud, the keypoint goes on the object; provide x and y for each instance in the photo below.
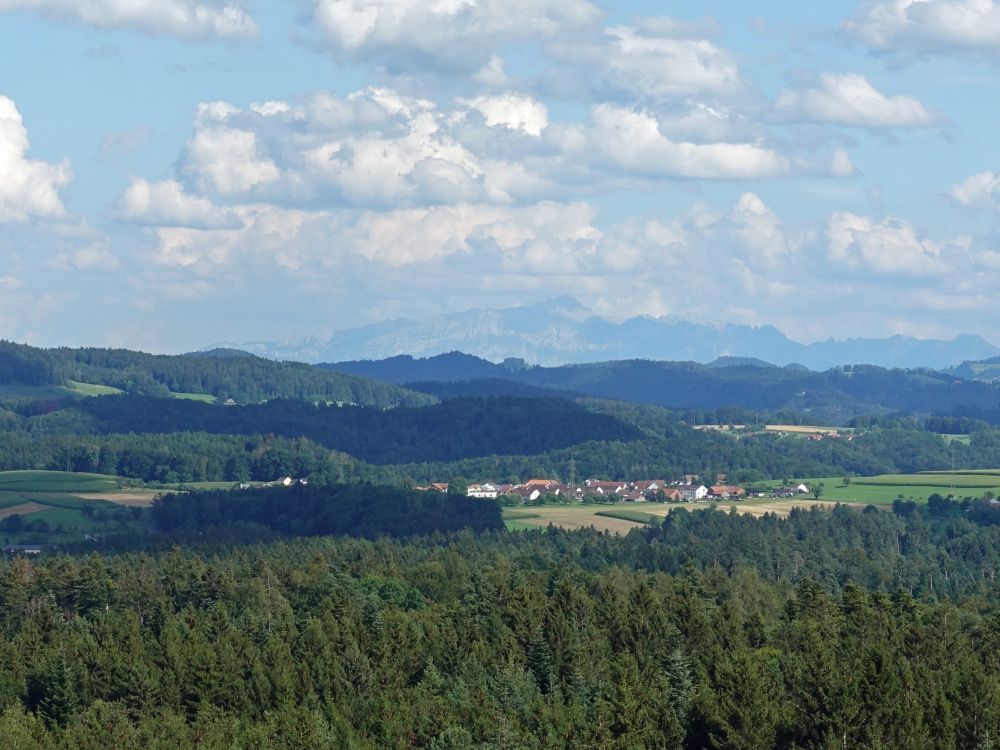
(513, 111)
(928, 25)
(542, 236)
(28, 189)
(278, 234)
(93, 257)
(852, 100)
(444, 34)
(228, 160)
(8, 283)
(182, 18)
(657, 60)
(545, 236)
(167, 204)
(632, 141)
(888, 246)
(760, 229)
(978, 191)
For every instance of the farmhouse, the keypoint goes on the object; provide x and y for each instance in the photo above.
(693, 491)
(726, 491)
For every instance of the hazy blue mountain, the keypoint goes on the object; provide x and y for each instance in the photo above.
(562, 331)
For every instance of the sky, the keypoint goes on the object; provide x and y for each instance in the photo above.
(175, 173)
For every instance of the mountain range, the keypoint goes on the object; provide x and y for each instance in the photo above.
(562, 331)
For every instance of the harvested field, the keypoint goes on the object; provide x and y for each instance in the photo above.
(571, 517)
(134, 499)
(21, 510)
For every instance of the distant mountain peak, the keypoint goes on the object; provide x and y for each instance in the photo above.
(561, 330)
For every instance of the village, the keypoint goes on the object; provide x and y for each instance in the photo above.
(687, 489)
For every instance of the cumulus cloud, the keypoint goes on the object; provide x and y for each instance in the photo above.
(978, 191)
(444, 34)
(225, 159)
(852, 100)
(183, 18)
(542, 236)
(8, 282)
(167, 204)
(632, 140)
(888, 246)
(656, 60)
(28, 189)
(545, 236)
(928, 25)
(513, 111)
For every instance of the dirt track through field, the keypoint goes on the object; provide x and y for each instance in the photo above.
(21, 510)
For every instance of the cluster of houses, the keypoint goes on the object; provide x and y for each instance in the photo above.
(687, 489)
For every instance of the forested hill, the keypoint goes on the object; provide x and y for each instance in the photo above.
(834, 396)
(455, 429)
(223, 375)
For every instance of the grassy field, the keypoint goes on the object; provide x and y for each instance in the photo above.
(91, 389)
(957, 481)
(56, 481)
(883, 489)
(72, 389)
(206, 397)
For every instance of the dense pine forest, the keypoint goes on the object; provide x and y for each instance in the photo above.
(714, 631)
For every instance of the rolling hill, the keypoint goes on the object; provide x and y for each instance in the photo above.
(28, 373)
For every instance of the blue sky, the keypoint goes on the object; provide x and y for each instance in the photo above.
(179, 172)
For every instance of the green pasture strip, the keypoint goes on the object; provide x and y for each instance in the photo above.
(93, 389)
(963, 473)
(932, 480)
(637, 516)
(862, 492)
(206, 397)
(515, 515)
(56, 481)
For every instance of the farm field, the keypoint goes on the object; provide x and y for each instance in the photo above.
(579, 516)
(55, 481)
(803, 429)
(622, 518)
(72, 389)
(206, 397)
(56, 507)
(883, 489)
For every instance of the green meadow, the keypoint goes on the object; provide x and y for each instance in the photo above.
(883, 489)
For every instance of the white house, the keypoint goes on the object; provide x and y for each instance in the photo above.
(485, 491)
(691, 492)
